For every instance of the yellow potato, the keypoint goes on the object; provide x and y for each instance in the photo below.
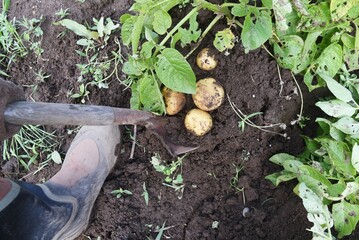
(205, 60)
(198, 122)
(209, 94)
(174, 101)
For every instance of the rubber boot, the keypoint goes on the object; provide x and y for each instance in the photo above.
(61, 207)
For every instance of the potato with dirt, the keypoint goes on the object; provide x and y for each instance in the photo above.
(198, 122)
(209, 94)
(174, 101)
(206, 60)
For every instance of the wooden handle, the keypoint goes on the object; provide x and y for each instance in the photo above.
(22, 112)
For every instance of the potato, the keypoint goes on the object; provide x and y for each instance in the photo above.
(205, 60)
(174, 101)
(209, 94)
(198, 122)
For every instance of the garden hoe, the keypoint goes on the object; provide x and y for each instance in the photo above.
(22, 112)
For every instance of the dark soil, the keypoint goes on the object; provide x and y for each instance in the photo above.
(253, 84)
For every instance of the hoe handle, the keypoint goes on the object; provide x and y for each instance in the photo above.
(22, 112)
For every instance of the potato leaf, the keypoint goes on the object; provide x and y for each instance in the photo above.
(347, 125)
(280, 158)
(240, 10)
(338, 90)
(136, 33)
(175, 72)
(150, 95)
(283, 176)
(318, 213)
(346, 217)
(340, 8)
(336, 108)
(330, 60)
(127, 28)
(135, 97)
(281, 9)
(337, 154)
(289, 52)
(78, 29)
(162, 21)
(257, 32)
(224, 40)
(355, 157)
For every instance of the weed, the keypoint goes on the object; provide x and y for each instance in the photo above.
(40, 77)
(145, 194)
(32, 145)
(62, 13)
(233, 183)
(121, 192)
(245, 120)
(99, 67)
(172, 173)
(159, 230)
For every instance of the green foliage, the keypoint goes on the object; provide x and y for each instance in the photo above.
(99, 66)
(14, 45)
(32, 145)
(121, 192)
(172, 172)
(328, 170)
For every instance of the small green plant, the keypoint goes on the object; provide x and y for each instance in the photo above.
(62, 13)
(13, 44)
(172, 173)
(145, 194)
(121, 192)
(99, 67)
(32, 145)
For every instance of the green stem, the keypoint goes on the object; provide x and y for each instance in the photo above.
(209, 27)
(170, 34)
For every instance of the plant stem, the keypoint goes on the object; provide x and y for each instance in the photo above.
(170, 34)
(209, 27)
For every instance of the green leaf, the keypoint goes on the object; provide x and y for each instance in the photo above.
(257, 32)
(162, 21)
(110, 26)
(100, 27)
(175, 72)
(292, 166)
(336, 108)
(224, 40)
(280, 158)
(136, 33)
(150, 95)
(347, 125)
(340, 8)
(330, 60)
(318, 213)
(281, 9)
(135, 102)
(337, 154)
(289, 52)
(355, 157)
(146, 49)
(338, 90)
(78, 29)
(55, 156)
(239, 10)
(346, 217)
(283, 176)
(127, 28)
(133, 67)
(328, 127)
